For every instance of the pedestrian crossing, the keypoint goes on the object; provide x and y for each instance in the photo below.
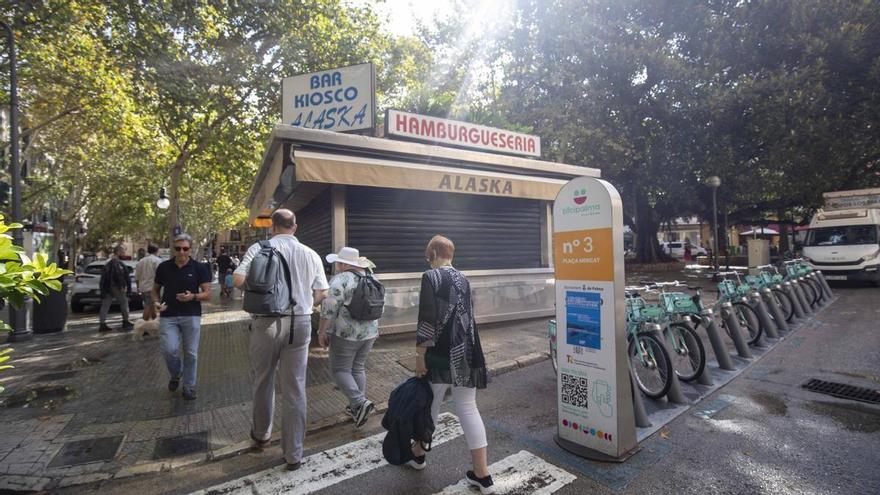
(521, 474)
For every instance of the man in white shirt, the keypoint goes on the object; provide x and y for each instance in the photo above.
(145, 275)
(272, 348)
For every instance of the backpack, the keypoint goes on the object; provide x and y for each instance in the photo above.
(368, 299)
(408, 418)
(267, 288)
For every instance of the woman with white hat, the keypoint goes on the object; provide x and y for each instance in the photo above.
(350, 339)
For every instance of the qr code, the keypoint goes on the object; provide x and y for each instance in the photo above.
(574, 390)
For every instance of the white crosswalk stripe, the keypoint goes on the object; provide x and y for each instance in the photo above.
(521, 474)
(327, 468)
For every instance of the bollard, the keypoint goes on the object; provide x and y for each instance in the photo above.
(639, 413)
(731, 320)
(764, 316)
(775, 311)
(705, 377)
(823, 297)
(820, 296)
(825, 287)
(799, 292)
(675, 395)
(718, 346)
(789, 289)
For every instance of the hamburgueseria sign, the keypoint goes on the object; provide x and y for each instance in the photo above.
(456, 133)
(342, 99)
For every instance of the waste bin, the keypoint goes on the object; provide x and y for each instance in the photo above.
(50, 314)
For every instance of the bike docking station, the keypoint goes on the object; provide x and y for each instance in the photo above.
(603, 408)
(593, 388)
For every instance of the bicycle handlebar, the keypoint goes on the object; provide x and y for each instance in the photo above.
(797, 260)
(761, 267)
(732, 272)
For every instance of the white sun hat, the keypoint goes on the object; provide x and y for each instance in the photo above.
(347, 255)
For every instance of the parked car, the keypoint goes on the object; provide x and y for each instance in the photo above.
(676, 250)
(87, 287)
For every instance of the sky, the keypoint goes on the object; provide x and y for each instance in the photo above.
(402, 14)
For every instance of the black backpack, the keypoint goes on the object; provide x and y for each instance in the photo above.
(368, 299)
(408, 418)
(267, 289)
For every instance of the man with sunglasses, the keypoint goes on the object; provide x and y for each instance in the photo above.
(186, 283)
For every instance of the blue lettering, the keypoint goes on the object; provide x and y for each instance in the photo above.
(331, 120)
(300, 101)
(314, 82)
(343, 110)
(351, 93)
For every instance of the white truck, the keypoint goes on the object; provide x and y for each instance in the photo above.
(844, 236)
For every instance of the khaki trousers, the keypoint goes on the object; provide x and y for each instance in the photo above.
(273, 355)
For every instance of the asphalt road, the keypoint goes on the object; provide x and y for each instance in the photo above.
(768, 435)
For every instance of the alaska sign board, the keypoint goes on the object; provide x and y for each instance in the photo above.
(435, 130)
(341, 100)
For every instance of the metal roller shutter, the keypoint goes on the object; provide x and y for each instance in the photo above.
(393, 226)
(313, 225)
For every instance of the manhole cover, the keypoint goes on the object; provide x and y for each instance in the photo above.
(181, 445)
(86, 451)
(843, 391)
(48, 377)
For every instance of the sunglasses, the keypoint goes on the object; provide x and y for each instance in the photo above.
(181, 248)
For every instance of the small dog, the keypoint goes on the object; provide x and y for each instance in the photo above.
(144, 329)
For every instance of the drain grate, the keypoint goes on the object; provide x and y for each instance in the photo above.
(86, 451)
(843, 391)
(181, 445)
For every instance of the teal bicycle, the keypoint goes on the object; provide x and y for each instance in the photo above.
(685, 346)
(736, 292)
(648, 359)
(799, 271)
(770, 278)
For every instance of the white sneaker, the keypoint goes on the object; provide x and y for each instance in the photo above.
(418, 463)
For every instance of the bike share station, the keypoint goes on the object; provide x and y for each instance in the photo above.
(610, 341)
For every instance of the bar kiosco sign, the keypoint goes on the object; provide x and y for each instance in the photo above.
(456, 133)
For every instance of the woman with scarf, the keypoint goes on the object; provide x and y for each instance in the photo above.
(450, 355)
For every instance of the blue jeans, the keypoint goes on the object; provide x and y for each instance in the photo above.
(173, 329)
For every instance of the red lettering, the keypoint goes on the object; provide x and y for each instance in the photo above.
(531, 146)
(510, 141)
(400, 122)
(518, 143)
(495, 139)
(413, 125)
(441, 130)
(474, 135)
(484, 137)
(427, 128)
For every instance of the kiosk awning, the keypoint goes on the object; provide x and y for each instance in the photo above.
(350, 170)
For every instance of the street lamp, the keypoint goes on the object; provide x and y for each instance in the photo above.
(163, 202)
(714, 182)
(17, 318)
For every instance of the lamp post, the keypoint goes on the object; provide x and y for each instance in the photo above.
(714, 182)
(17, 317)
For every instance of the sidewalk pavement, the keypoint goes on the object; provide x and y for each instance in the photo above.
(81, 407)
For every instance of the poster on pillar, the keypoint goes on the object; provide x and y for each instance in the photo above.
(594, 401)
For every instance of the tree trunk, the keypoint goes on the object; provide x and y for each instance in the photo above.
(783, 233)
(647, 246)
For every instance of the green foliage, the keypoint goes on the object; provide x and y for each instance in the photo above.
(21, 277)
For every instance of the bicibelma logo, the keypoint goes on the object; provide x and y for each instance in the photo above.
(579, 196)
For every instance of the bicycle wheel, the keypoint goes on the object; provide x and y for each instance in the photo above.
(748, 320)
(650, 365)
(784, 302)
(687, 352)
